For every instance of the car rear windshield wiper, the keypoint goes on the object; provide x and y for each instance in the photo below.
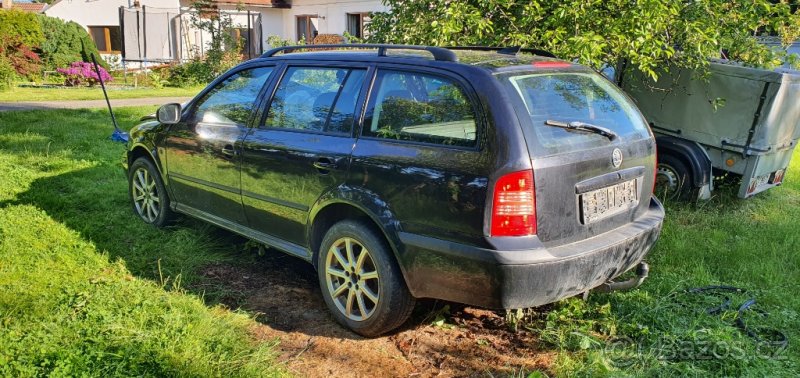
(582, 126)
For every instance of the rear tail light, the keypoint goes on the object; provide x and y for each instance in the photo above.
(655, 174)
(514, 205)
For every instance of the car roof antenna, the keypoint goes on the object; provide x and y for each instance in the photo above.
(118, 135)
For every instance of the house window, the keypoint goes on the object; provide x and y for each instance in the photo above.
(356, 23)
(107, 38)
(306, 28)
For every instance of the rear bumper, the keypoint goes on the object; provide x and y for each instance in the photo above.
(525, 278)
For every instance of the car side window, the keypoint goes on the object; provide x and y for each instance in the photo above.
(316, 99)
(422, 108)
(233, 100)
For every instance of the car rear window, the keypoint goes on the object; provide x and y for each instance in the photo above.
(574, 97)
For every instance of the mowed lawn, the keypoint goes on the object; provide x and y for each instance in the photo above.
(86, 287)
(18, 94)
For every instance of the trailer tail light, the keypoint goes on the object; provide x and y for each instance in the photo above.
(752, 187)
(514, 205)
(777, 177)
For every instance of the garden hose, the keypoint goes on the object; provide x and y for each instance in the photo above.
(768, 336)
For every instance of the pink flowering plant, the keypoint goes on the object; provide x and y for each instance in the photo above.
(79, 73)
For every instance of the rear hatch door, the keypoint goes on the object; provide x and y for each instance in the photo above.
(592, 152)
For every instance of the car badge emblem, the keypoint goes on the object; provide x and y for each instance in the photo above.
(616, 158)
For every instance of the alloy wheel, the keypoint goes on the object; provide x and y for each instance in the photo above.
(352, 279)
(145, 195)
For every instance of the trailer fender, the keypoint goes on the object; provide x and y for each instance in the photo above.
(689, 152)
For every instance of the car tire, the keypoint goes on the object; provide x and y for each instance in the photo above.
(148, 194)
(364, 292)
(673, 179)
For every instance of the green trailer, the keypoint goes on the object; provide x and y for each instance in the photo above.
(739, 120)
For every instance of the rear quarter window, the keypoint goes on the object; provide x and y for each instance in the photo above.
(420, 107)
(574, 97)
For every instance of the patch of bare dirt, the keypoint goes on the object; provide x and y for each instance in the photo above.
(436, 341)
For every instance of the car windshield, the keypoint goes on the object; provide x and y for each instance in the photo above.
(555, 101)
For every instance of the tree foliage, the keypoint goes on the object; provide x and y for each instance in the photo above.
(224, 50)
(7, 73)
(21, 26)
(65, 43)
(648, 34)
(26, 62)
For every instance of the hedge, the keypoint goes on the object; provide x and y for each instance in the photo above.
(65, 43)
(16, 23)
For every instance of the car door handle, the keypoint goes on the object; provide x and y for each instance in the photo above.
(229, 151)
(325, 165)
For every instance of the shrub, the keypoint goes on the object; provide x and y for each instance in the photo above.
(7, 73)
(66, 42)
(25, 62)
(277, 41)
(23, 25)
(80, 73)
(328, 39)
(189, 74)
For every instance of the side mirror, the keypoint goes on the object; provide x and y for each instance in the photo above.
(169, 114)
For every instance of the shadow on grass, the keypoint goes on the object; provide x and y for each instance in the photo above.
(281, 290)
(208, 261)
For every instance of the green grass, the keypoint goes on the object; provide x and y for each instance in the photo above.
(662, 331)
(86, 288)
(18, 94)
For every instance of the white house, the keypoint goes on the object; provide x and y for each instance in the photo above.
(327, 17)
(101, 18)
(162, 30)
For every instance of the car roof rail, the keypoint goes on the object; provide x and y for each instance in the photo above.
(513, 50)
(439, 53)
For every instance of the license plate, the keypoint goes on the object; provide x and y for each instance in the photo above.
(609, 201)
(756, 183)
(762, 180)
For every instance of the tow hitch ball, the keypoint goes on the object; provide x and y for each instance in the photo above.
(641, 273)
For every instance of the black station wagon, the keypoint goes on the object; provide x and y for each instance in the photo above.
(493, 178)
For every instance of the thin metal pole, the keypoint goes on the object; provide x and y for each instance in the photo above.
(260, 34)
(144, 26)
(169, 36)
(122, 30)
(138, 34)
(249, 37)
(103, 85)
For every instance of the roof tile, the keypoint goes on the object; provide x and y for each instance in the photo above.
(28, 7)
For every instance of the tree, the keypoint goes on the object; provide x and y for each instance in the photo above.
(223, 48)
(646, 34)
(24, 26)
(66, 43)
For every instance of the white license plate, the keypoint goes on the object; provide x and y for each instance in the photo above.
(762, 180)
(609, 201)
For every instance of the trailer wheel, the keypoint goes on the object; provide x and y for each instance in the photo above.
(673, 178)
